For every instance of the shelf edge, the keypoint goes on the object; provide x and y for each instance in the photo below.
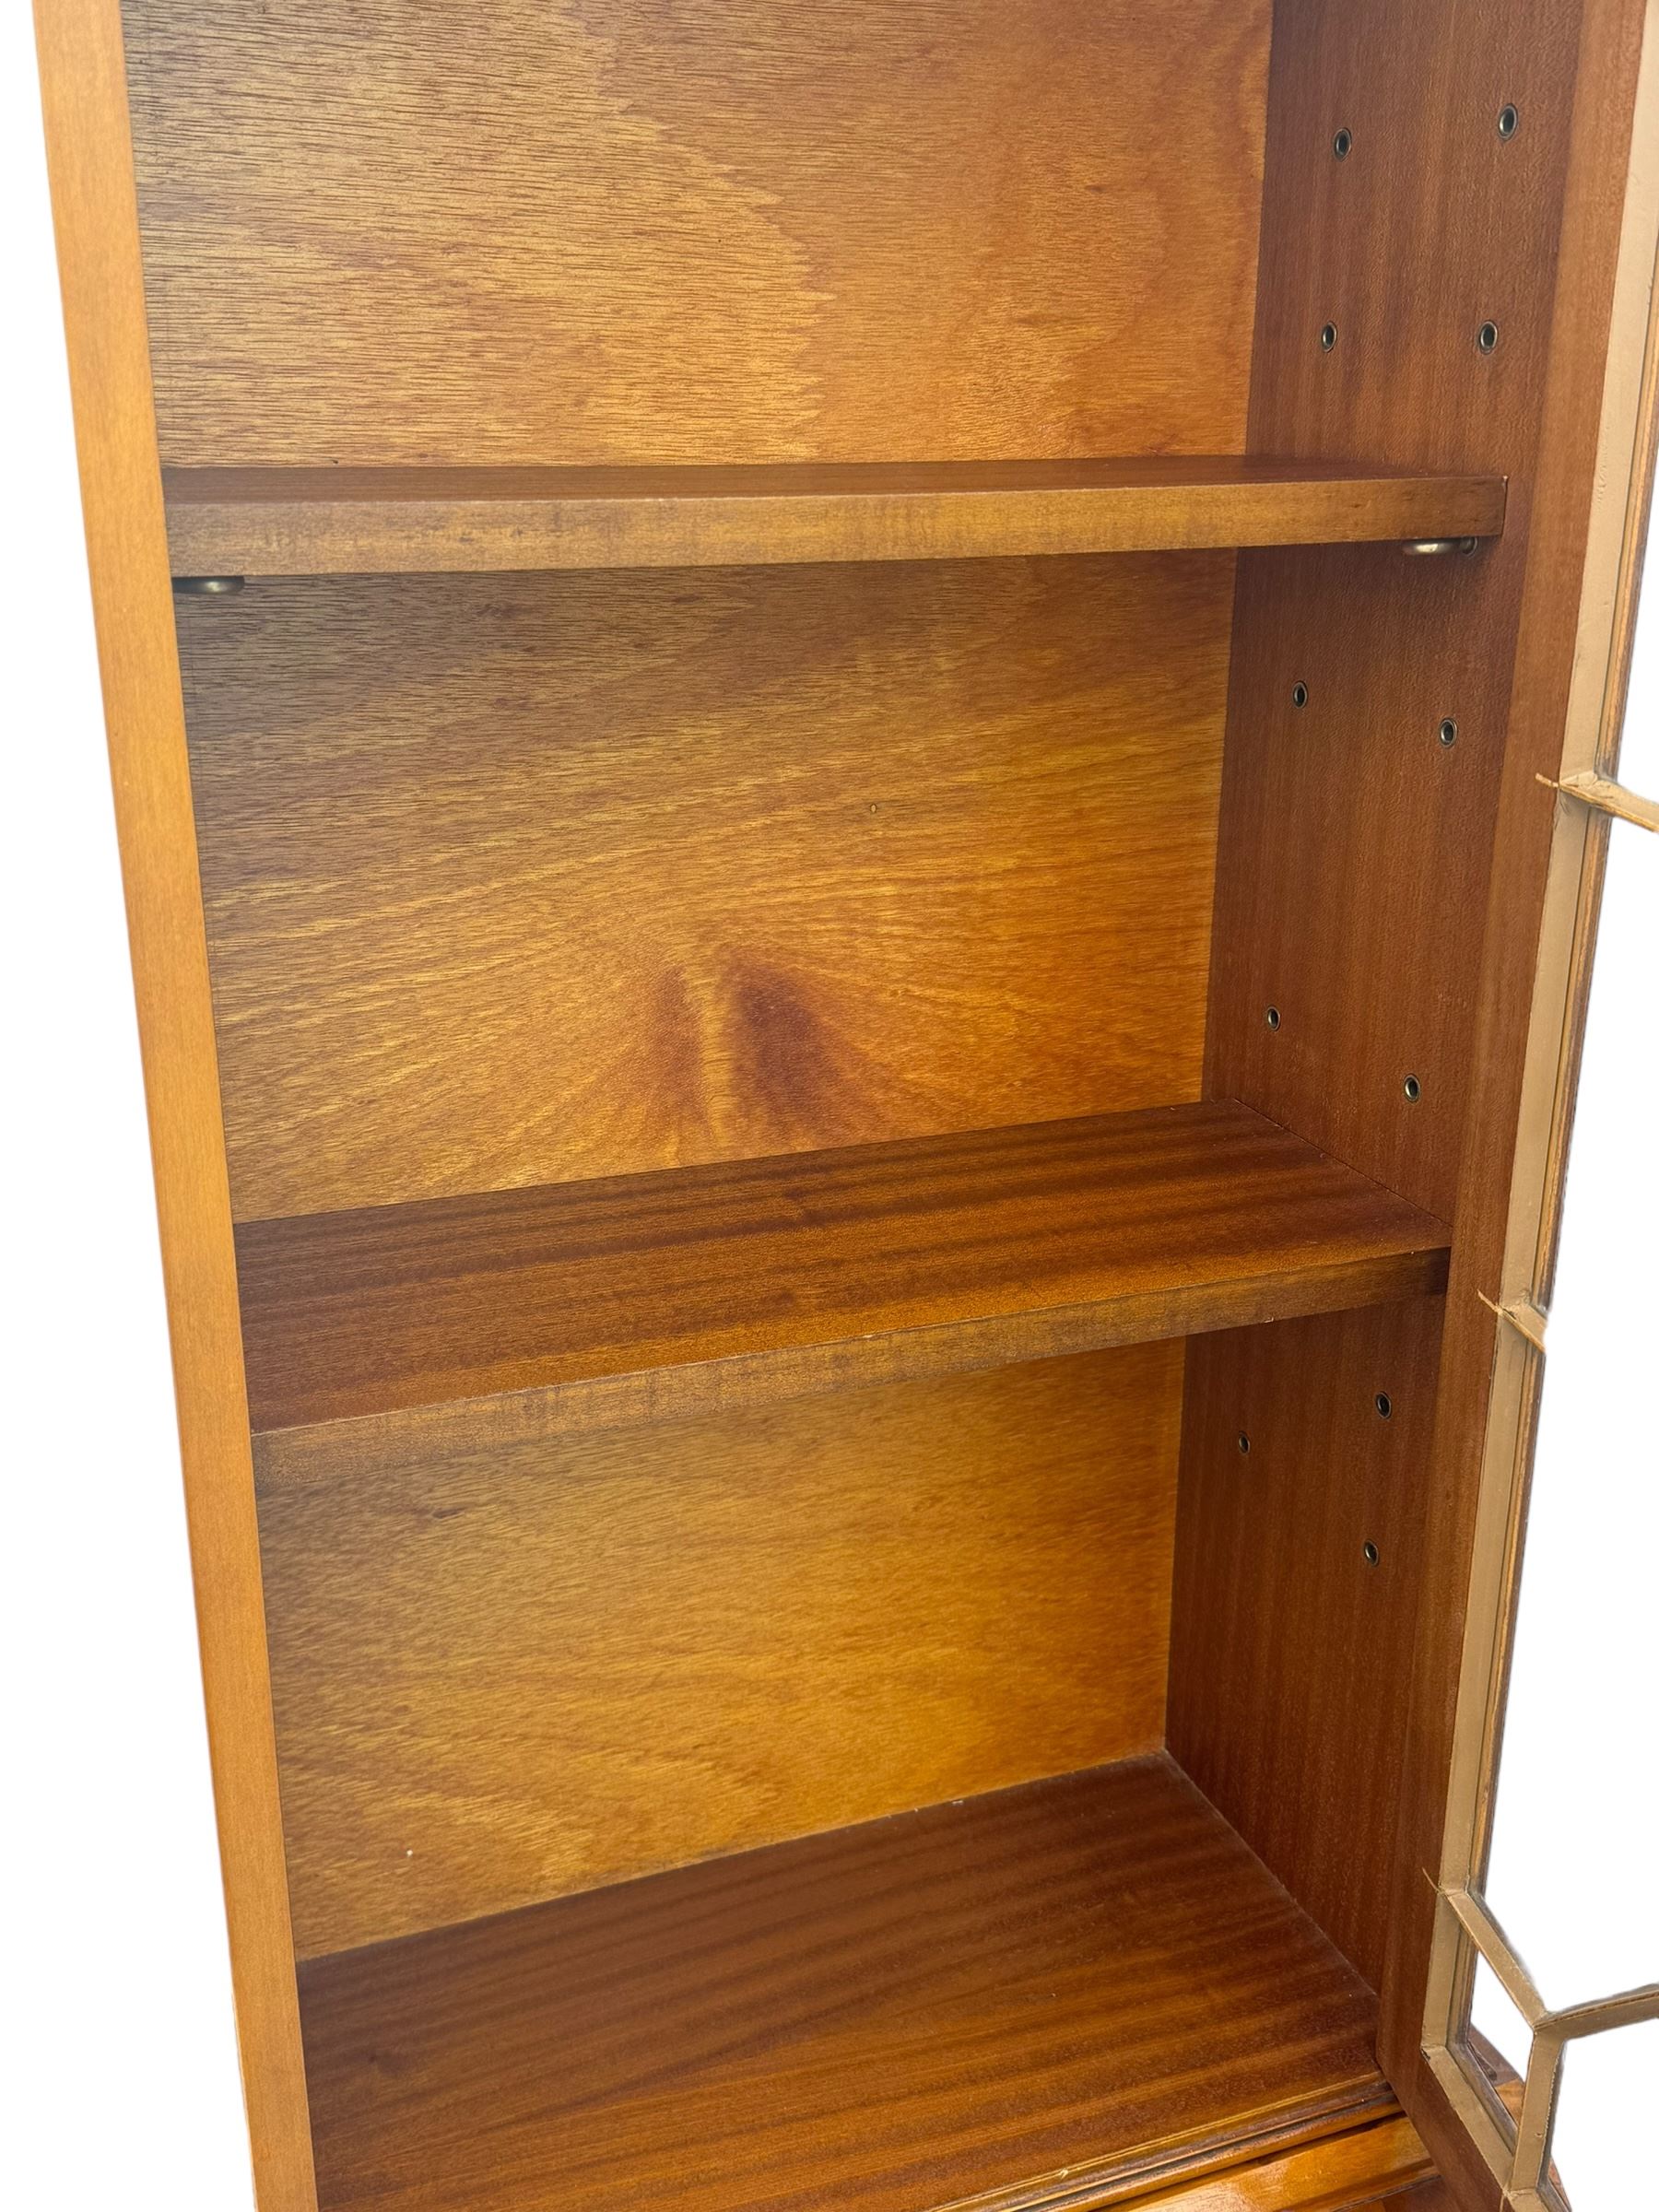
(315, 535)
(362, 1444)
(1297, 2163)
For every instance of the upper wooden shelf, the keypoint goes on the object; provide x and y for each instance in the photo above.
(1090, 1978)
(333, 522)
(581, 1304)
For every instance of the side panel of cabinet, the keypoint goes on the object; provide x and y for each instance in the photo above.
(1300, 1550)
(1357, 827)
(1380, 815)
(84, 96)
(1566, 700)
(1365, 745)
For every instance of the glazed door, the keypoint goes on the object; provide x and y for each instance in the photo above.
(1541, 2029)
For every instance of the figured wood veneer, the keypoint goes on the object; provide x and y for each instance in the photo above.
(1091, 1973)
(516, 878)
(504, 1673)
(699, 231)
(323, 521)
(578, 1302)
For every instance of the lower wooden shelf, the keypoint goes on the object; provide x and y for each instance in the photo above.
(1091, 1974)
(518, 1313)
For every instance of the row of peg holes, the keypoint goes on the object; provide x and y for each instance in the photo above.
(1342, 146)
(1509, 122)
(1447, 732)
(1369, 1551)
(1448, 737)
(1412, 1086)
(1486, 338)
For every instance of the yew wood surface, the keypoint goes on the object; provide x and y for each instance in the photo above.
(326, 521)
(957, 2003)
(699, 231)
(508, 1673)
(968, 1250)
(516, 878)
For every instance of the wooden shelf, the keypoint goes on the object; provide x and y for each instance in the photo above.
(577, 1304)
(1093, 1974)
(331, 522)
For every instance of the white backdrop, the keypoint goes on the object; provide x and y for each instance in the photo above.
(121, 2068)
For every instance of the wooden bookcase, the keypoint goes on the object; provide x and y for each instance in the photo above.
(827, 727)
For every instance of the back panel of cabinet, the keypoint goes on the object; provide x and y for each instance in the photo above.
(646, 230)
(528, 880)
(525, 878)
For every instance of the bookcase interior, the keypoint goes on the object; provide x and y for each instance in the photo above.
(844, 868)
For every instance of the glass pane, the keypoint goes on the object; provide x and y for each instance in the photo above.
(1604, 2129)
(1500, 2039)
(1574, 1875)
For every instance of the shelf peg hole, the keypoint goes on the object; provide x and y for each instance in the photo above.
(1448, 732)
(1413, 1089)
(1274, 1017)
(1509, 120)
(1243, 1443)
(1370, 1554)
(1384, 1404)
(1298, 695)
(1327, 337)
(1342, 146)
(1486, 337)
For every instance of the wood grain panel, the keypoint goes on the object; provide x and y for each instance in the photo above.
(996, 1245)
(503, 1676)
(515, 879)
(1355, 851)
(1292, 1651)
(314, 522)
(683, 230)
(1087, 1973)
(1356, 848)
(84, 109)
